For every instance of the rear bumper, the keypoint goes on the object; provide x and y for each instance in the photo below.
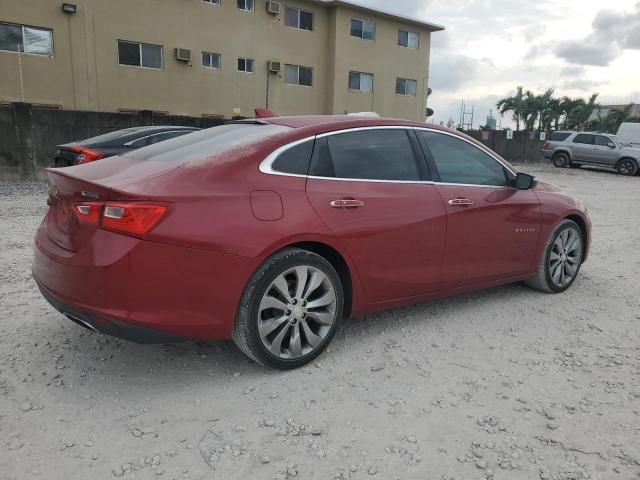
(547, 153)
(140, 290)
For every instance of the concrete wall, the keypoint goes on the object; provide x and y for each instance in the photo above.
(84, 73)
(522, 148)
(29, 136)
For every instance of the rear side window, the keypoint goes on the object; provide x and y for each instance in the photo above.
(584, 138)
(460, 162)
(378, 154)
(295, 160)
(558, 136)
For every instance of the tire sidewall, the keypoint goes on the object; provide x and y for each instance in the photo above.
(547, 271)
(266, 275)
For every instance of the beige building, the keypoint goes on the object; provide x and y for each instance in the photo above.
(214, 57)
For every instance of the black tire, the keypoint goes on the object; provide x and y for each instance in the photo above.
(245, 332)
(627, 167)
(561, 160)
(542, 280)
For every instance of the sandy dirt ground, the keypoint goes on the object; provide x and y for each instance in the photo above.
(508, 383)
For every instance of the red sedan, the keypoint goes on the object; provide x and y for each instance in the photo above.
(271, 231)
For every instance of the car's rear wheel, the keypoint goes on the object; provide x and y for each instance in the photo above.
(627, 166)
(290, 309)
(561, 160)
(561, 260)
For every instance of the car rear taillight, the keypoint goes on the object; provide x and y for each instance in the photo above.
(86, 155)
(129, 218)
(132, 218)
(546, 145)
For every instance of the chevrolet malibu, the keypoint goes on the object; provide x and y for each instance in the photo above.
(270, 231)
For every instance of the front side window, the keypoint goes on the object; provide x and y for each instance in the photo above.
(20, 38)
(211, 60)
(246, 65)
(360, 81)
(602, 141)
(408, 39)
(139, 54)
(460, 162)
(297, 75)
(378, 154)
(295, 160)
(406, 86)
(296, 18)
(363, 29)
(584, 138)
(245, 5)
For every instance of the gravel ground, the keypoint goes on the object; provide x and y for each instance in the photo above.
(507, 383)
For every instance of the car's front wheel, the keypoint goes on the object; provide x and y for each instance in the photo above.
(627, 166)
(561, 259)
(290, 309)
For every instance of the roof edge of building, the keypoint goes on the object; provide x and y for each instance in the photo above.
(432, 27)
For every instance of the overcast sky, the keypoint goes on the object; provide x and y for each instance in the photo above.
(491, 46)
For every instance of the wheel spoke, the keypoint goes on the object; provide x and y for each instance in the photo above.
(316, 280)
(554, 257)
(327, 299)
(556, 273)
(313, 339)
(272, 302)
(269, 326)
(280, 284)
(295, 342)
(323, 318)
(276, 345)
(301, 275)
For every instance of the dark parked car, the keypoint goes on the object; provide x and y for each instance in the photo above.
(270, 231)
(115, 143)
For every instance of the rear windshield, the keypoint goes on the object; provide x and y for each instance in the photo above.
(205, 143)
(107, 137)
(558, 136)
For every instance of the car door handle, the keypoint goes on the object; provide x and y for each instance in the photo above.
(347, 203)
(460, 202)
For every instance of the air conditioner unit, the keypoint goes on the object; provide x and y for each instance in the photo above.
(183, 54)
(273, 8)
(275, 66)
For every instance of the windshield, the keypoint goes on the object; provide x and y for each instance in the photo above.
(107, 137)
(620, 141)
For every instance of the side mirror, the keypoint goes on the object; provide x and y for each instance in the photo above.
(611, 145)
(524, 181)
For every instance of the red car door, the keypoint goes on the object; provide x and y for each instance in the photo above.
(493, 229)
(370, 186)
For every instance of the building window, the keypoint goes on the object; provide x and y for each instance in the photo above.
(297, 75)
(137, 54)
(20, 38)
(296, 18)
(406, 86)
(362, 82)
(211, 60)
(246, 5)
(212, 2)
(363, 29)
(408, 39)
(246, 64)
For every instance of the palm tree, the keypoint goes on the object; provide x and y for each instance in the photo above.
(531, 109)
(546, 112)
(616, 118)
(513, 104)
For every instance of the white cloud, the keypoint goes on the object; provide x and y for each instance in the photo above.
(491, 46)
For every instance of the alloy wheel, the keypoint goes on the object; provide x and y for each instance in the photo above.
(626, 167)
(296, 312)
(565, 257)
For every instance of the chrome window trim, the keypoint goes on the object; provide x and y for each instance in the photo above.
(131, 142)
(266, 166)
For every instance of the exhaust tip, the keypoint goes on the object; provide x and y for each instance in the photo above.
(80, 322)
